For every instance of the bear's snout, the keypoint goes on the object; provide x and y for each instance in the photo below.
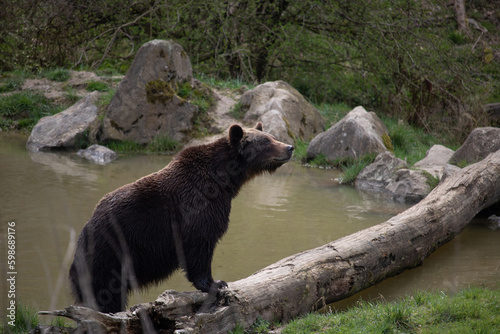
(286, 154)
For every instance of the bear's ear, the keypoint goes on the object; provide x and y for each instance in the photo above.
(235, 133)
(258, 126)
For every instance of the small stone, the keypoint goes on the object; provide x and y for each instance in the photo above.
(98, 154)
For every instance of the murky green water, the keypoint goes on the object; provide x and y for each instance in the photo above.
(51, 196)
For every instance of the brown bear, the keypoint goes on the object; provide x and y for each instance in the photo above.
(142, 232)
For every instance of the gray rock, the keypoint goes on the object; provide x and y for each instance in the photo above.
(145, 104)
(98, 154)
(64, 129)
(435, 161)
(479, 143)
(377, 176)
(354, 136)
(408, 186)
(493, 222)
(391, 177)
(284, 112)
(448, 171)
(275, 125)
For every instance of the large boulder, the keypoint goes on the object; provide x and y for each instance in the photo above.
(479, 143)
(377, 176)
(65, 129)
(357, 134)
(284, 112)
(145, 104)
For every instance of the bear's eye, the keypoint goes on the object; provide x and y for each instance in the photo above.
(266, 141)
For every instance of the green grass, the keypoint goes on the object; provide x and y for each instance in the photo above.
(56, 74)
(13, 81)
(70, 95)
(431, 180)
(352, 167)
(26, 319)
(24, 109)
(200, 96)
(236, 111)
(105, 100)
(161, 144)
(97, 86)
(332, 113)
(125, 146)
(411, 143)
(474, 310)
(322, 161)
(300, 151)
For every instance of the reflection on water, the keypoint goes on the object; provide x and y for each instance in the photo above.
(51, 196)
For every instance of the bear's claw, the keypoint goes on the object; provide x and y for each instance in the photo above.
(219, 284)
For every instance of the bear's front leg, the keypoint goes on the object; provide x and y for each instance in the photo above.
(198, 264)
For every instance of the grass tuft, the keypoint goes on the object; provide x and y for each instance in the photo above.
(56, 74)
(25, 321)
(97, 86)
(332, 113)
(125, 146)
(162, 144)
(352, 167)
(431, 180)
(236, 111)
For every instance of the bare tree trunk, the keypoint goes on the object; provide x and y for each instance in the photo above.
(307, 281)
(460, 16)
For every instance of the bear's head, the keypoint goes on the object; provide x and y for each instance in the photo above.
(260, 150)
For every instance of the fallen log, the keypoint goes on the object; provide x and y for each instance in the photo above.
(304, 282)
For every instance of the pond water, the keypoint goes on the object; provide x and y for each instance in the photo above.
(50, 197)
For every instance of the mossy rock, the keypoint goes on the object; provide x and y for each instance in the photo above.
(159, 91)
(387, 142)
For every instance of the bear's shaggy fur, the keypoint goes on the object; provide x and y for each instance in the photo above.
(142, 232)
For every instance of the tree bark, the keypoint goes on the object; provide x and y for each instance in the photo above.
(309, 280)
(460, 16)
